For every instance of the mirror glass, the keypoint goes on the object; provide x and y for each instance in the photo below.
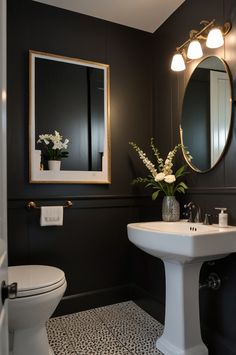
(206, 113)
(70, 96)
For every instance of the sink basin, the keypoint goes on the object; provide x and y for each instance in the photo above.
(183, 247)
(182, 241)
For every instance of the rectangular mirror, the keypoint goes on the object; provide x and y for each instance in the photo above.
(68, 97)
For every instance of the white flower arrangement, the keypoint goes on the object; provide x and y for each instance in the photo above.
(162, 177)
(53, 146)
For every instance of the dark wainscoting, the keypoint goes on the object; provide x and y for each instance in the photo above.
(91, 247)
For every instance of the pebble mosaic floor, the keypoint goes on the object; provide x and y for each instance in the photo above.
(119, 329)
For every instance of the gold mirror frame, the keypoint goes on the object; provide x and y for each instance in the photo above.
(65, 176)
(188, 161)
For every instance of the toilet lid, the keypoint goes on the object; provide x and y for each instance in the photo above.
(35, 279)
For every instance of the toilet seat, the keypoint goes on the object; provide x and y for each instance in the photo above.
(35, 279)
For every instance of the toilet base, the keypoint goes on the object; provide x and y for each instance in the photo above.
(28, 341)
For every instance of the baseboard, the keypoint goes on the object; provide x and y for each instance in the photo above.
(103, 297)
(98, 298)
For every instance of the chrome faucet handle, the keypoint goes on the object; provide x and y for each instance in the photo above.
(189, 205)
(207, 219)
(198, 217)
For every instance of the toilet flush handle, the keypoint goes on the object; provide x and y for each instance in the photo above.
(8, 291)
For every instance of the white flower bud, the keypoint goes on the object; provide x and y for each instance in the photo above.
(159, 177)
(169, 179)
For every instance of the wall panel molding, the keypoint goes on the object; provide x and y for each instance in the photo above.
(212, 190)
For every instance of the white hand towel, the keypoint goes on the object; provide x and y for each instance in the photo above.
(51, 216)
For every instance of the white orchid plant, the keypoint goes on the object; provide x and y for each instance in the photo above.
(53, 146)
(161, 177)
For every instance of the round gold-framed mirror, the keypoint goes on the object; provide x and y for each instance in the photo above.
(207, 114)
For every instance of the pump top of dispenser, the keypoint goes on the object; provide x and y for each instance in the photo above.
(222, 209)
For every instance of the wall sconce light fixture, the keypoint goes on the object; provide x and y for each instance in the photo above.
(178, 63)
(192, 49)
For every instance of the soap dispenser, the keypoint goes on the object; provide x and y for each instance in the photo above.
(223, 217)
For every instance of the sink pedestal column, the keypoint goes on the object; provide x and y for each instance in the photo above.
(182, 334)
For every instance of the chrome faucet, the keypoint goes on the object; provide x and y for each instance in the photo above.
(192, 206)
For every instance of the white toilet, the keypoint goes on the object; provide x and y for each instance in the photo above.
(40, 289)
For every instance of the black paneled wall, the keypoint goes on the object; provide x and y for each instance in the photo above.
(146, 100)
(218, 187)
(92, 246)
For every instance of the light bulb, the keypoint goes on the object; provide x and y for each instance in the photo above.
(178, 63)
(194, 50)
(215, 38)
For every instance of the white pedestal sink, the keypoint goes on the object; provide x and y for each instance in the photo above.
(183, 247)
